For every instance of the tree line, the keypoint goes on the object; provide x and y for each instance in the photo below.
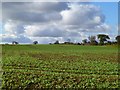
(103, 40)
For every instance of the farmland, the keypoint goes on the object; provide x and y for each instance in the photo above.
(59, 66)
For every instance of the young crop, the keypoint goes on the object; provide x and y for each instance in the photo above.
(59, 66)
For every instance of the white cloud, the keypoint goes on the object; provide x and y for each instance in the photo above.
(11, 37)
(51, 30)
(51, 21)
(97, 19)
(44, 31)
(85, 16)
(45, 40)
(11, 27)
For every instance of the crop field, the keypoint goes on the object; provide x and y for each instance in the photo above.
(29, 67)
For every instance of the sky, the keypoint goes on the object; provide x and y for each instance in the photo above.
(47, 22)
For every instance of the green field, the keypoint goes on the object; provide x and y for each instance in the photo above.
(59, 66)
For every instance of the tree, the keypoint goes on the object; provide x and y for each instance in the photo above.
(35, 42)
(14, 42)
(118, 39)
(109, 42)
(92, 40)
(69, 40)
(56, 42)
(84, 41)
(102, 38)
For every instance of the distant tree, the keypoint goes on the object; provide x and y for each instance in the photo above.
(92, 40)
(84, 41)
(6, 44)
(56, 42)
(102, 38)
(35, 42)
(78, 43)
(118, 39)
(113, 42)
(50, 43)
(68, 40)
(109, 42)
(14, 42)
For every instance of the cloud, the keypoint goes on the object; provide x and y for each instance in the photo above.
(12, 27)
(49, 31)
(45, 40)
(0, 12)
(60, 0)
(84, 16)
(51, 21)
(32, 12)
(10, 37)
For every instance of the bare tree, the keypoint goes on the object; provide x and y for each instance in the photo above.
(93, 40)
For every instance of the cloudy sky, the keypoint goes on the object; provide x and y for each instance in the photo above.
(47, 22)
